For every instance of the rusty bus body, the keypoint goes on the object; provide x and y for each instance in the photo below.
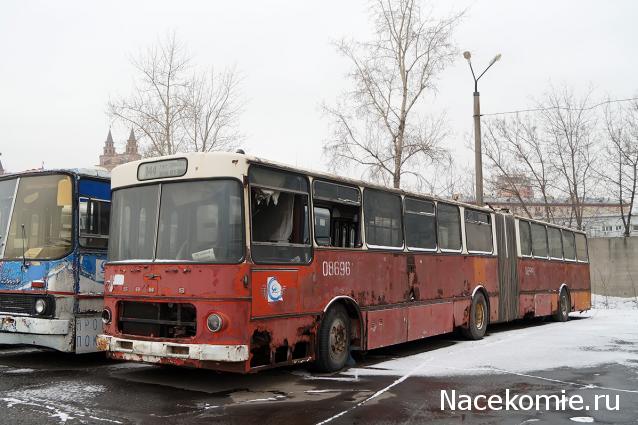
(348, 250)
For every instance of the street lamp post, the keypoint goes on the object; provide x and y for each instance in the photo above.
(478, 159)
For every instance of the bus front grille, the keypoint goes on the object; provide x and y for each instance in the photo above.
(24, 304)
(158, 320)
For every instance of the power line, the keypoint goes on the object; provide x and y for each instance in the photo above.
(589, 108)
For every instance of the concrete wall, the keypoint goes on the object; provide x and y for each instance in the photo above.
(614, 266)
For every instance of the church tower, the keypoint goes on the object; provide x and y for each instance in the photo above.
(110, 159)
(109, 147)
(131, 147)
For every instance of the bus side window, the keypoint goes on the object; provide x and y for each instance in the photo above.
(448, 220)
(555, 243)
(279, 216)
(478, 231)
(94, 223)
(539, 240)
(383, 219)
(420, 224)
(569, 245)
(525, 238)
(337, 212)
(581, 247)
(322, 226)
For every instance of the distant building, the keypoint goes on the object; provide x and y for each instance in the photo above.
(601, 217)
(1, 169)
(111, 159)
(509, 186)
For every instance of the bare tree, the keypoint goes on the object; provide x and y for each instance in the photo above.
(620, 169)
(570, 127)
(175, 109)
(514, 148)
(212, 108)
(155, 107)
(375, 125)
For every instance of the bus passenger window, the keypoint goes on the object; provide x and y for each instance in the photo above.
(569, 245)
(478, 231)
(383, 219)
(525, 238)
(420, 224)
(581, 247)
(539, 240)
(94, 223)
(279, 216)
(322, 226)
(448, 220)
(555, 243)
(337, 212)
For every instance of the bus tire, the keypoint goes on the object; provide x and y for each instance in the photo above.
(479, 317)
(333, 340)
(562, 313)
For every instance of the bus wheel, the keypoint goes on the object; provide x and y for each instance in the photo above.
(333, 342)
(479, 316)
(562, 314)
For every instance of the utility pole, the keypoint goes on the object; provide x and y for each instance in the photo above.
(478, 157)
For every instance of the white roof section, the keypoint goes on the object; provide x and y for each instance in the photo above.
(200, 165)
(85, 172)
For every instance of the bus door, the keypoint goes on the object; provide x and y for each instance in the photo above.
(94, 206)
(280, 239)
(507, 270)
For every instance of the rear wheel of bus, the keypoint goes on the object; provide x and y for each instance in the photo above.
(479, 316)
(333, 340)
(562, 314)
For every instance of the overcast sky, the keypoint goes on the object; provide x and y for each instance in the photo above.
(61, 62)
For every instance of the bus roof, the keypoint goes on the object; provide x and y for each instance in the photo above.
(82, 172)
(226, 164)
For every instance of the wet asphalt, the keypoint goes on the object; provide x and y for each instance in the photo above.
(42, 387)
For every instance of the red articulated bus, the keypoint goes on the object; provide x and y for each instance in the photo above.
(228, 262)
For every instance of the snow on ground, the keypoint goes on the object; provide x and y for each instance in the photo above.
(596, 337)
(614, 303)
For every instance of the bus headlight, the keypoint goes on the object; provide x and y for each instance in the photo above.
(215, 322)
(106, 316)
(40, 306)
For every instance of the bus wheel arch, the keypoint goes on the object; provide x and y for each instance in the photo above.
(338, 324)
(481, 289)
(479, 314)
(356, 319)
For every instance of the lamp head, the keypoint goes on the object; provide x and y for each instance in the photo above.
(467, 55)
(496, 58)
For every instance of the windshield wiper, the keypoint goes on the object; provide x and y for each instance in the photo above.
(24, 249)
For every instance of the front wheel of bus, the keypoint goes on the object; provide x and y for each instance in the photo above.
(562, 314)
(479, 316)
(333, 340)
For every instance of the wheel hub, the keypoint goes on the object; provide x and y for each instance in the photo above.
(479, 316)
(338, 336)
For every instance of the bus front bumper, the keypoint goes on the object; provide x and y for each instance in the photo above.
(33, 325)
(155, 351)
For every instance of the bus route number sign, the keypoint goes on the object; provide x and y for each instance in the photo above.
(336, 268)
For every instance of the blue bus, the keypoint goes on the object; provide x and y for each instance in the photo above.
(54, 229)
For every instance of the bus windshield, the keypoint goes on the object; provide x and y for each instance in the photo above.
(41, 220)
(199, 221)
